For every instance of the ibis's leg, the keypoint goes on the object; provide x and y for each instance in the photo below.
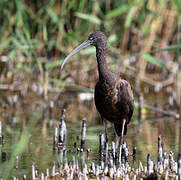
(121, 140)
(122, 132)
(105, 127)
(117, 138)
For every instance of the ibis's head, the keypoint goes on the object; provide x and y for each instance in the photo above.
(97, 39)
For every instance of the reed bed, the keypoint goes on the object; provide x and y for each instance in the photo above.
(144, 39)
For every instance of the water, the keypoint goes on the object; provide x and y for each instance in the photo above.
(28, 125)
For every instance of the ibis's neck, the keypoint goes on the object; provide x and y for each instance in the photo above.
(103, 70)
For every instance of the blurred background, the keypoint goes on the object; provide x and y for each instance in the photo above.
(144, 45)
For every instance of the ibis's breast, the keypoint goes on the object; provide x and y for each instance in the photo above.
(114, 102)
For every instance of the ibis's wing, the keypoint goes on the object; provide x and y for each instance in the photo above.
(125, 99)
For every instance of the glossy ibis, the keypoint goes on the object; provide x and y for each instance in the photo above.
(113, 95)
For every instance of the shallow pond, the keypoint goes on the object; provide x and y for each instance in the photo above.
(28, 125)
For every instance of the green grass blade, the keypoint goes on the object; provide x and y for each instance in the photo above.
(53, 64)
(168, 48)
(129, 17)
(45, 34)
(90, 18)
(112, 38)
(4, 44)
(52, 15)
(88, 51)
(153, 60)
(117, 12)
(71, 86)
(19, 18)
(178, 5)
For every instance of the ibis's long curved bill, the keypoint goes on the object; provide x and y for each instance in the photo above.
(83, 45)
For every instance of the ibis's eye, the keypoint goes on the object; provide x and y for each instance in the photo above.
(91, 38)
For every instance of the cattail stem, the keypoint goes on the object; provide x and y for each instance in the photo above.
(101, 143)
(1, 136)
(55, 139)
(160, 149)
(134, 154)
(140, 102)
(179, 166)
(62, 129)
(33, 171)
(53, 169)
(51, 106)
(83, 134)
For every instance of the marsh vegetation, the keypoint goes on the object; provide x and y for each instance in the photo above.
(144, 40)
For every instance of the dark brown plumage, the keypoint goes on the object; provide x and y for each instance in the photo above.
(113, 95)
